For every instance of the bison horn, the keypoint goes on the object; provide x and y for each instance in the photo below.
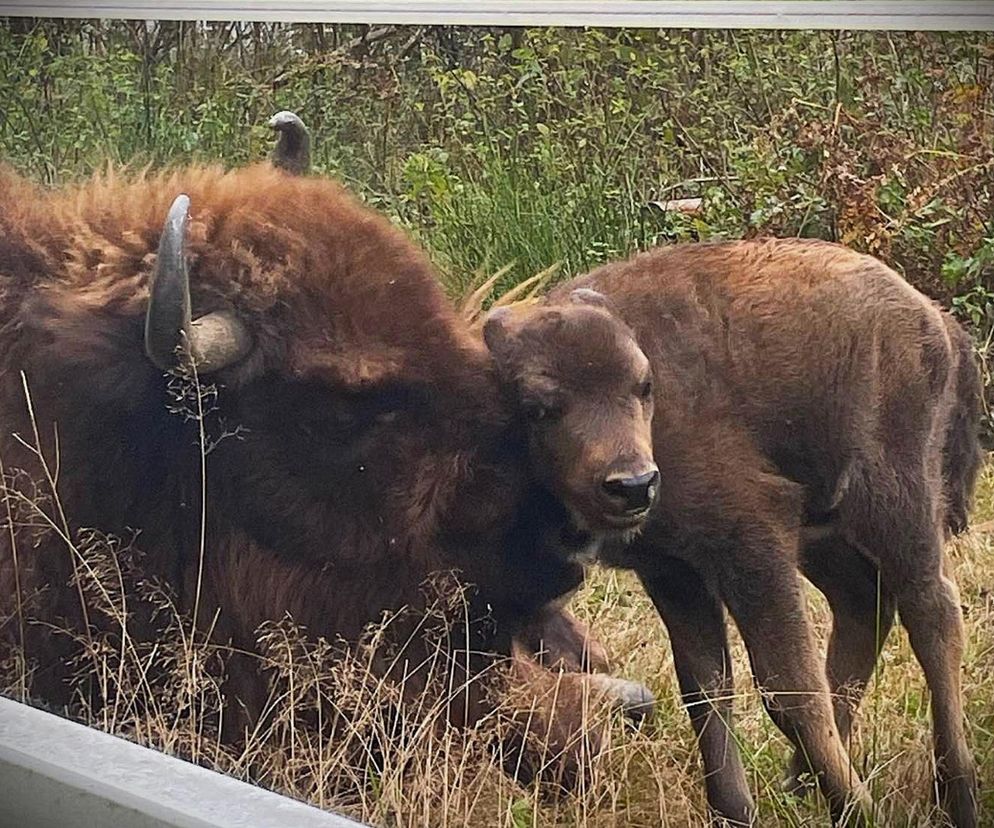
(293, 149)
(211, 341)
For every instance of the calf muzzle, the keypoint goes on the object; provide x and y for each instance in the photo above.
(632, 495)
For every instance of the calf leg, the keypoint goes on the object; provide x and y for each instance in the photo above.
(696, 625)
(862, 616)
(929, 607)
(930, 611)
(907, 546)
(760, 586)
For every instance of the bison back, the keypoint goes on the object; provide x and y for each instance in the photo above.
(828, 358)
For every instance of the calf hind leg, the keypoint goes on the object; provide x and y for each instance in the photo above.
(908, 549)
(930, 612)
(862, 616)
(695, 621)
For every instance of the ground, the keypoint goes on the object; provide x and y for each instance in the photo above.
(396, 770)
(652, 776)
(661, 773)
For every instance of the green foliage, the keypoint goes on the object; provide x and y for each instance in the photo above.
(541, 146)
(976, 306)
(521, 813)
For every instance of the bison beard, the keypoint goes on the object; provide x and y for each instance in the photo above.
(357, 439)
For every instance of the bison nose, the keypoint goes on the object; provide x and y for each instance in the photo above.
(633, 494)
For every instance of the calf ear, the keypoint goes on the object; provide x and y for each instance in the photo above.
(498, 336)
(589, 296)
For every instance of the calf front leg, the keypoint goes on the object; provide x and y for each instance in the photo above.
(696, 624)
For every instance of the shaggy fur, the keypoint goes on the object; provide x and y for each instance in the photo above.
(813, 410)
(367, 446)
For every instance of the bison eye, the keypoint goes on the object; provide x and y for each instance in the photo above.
(645, 390)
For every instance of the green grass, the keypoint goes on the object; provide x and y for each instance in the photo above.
(540, 146)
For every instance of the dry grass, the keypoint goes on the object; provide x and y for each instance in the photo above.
(892, 744)
(337, 736)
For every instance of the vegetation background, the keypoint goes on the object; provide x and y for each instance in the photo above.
(537, 147)
(541, 146)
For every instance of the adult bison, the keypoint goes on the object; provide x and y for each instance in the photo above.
(806, 407)
(357, 442)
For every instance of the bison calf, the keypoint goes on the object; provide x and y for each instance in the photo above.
(811, 409)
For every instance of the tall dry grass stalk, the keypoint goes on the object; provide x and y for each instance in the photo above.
(472, 304)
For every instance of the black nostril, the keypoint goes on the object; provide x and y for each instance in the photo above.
(634, 493)
(653, 482)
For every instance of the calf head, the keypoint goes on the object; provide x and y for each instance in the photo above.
(584, 388)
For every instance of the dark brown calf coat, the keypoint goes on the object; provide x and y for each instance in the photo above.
(810, 409)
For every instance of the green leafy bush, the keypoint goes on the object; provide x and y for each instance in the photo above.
(552, 145)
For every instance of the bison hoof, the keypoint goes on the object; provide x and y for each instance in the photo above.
(635, 700)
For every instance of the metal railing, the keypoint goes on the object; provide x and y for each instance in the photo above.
(933, 15)
(55, 773)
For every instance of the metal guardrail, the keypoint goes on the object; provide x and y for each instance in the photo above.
(923, 15)
(58, 774)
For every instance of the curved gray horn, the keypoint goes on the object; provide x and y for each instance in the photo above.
(293, 149)
(212, 341)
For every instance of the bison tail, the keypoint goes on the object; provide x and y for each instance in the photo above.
(962, 455)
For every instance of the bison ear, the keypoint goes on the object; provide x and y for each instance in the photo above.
(498, 336)
(589, 296)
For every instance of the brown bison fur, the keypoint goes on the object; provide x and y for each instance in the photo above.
(962, 455)
(367, 446)
(810, 409)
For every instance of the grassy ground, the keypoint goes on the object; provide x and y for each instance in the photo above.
(437, 776)
(892, 744)
(652, 776)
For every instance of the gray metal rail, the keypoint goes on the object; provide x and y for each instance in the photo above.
(58, 774)
(934, 15)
